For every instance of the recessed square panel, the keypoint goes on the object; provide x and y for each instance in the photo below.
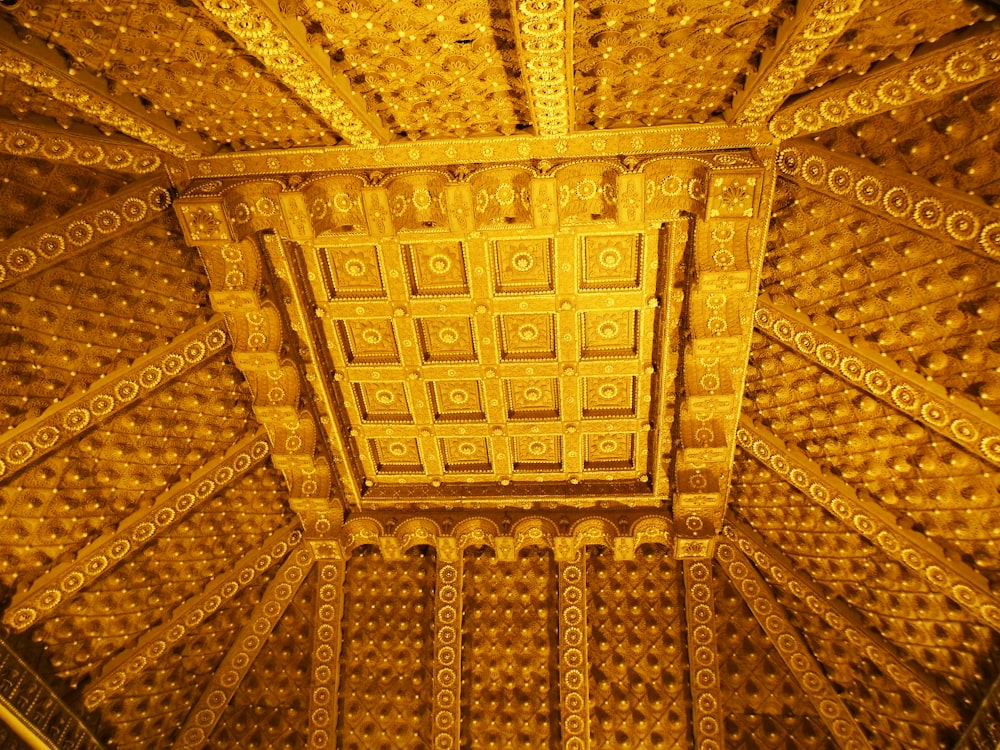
(447, 339)
(608, 397)
(523, 265)
(608, 334)
(537, 453)
(457, 401)
(527, 336)
(436, 268)
(611, 261)
(383, 401)
(396, 455)
(368, 342)
(611, 452)
(465, 454)
(532, 398)
(352, 272)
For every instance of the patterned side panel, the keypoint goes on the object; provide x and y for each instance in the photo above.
(385, 665)
(928, 627)
(150, 711)
(510, 655)
(765, 706)
(101, 620)
(639, 683)
(64, 327)
(270, 710)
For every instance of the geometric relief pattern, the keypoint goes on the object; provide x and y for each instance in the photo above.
(511, 358)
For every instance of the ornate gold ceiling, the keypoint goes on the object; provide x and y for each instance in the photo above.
(529, 374)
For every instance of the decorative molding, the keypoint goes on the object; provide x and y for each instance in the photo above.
(703, 656)
(983, 732)
(673, 139)
(543, 29)
(574, 665)
(205, 714)
(801, 42)
(956, 62)
(62, 582)
(35, 713)
(946, 215)
(447, 676)
(792, 648)
(37, 247)
(324, 690)
(725, 263)
(66, 419)
(154, 643)
(34, 63)
(926, 559)
(38, 136)
(278, 40)
(952, 415)
(840, 616)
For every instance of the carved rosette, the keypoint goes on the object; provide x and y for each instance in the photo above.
(326, 646)
(447, 682)
(703, 657)
(573, 664)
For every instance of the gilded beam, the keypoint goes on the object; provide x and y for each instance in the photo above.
(574, 664)
(544, 32)
(792, 648)
(845, 620)
(983, 732)
(34, 63)
(62, 582)
(35, 713)
(64, 420)
(915, 551)
(949, 216)
(953, 416)
(703, 656)
(955, 62)
(186, 617)
(676, 139)
(205, 714)
(447, 682)
(801, 42)
(38, 136)
(324, 689)
(724, 263)
(40, 246)
(279, 41)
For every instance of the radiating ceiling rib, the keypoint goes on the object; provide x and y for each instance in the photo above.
(280, 592)
(78, 143)
(793, 649)
(35, 64)
(957, 418)
(43, 245)
(707, 714)
(324, 694)
(155, 642)
(846, 621)
(446, 687)
(64, 420)
(57, 585)
(957, 61)
(926, 559)
(279, 42)
(802, 40)
(950, 216)
(544, 32)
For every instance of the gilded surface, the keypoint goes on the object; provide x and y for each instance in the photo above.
(499, 374)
